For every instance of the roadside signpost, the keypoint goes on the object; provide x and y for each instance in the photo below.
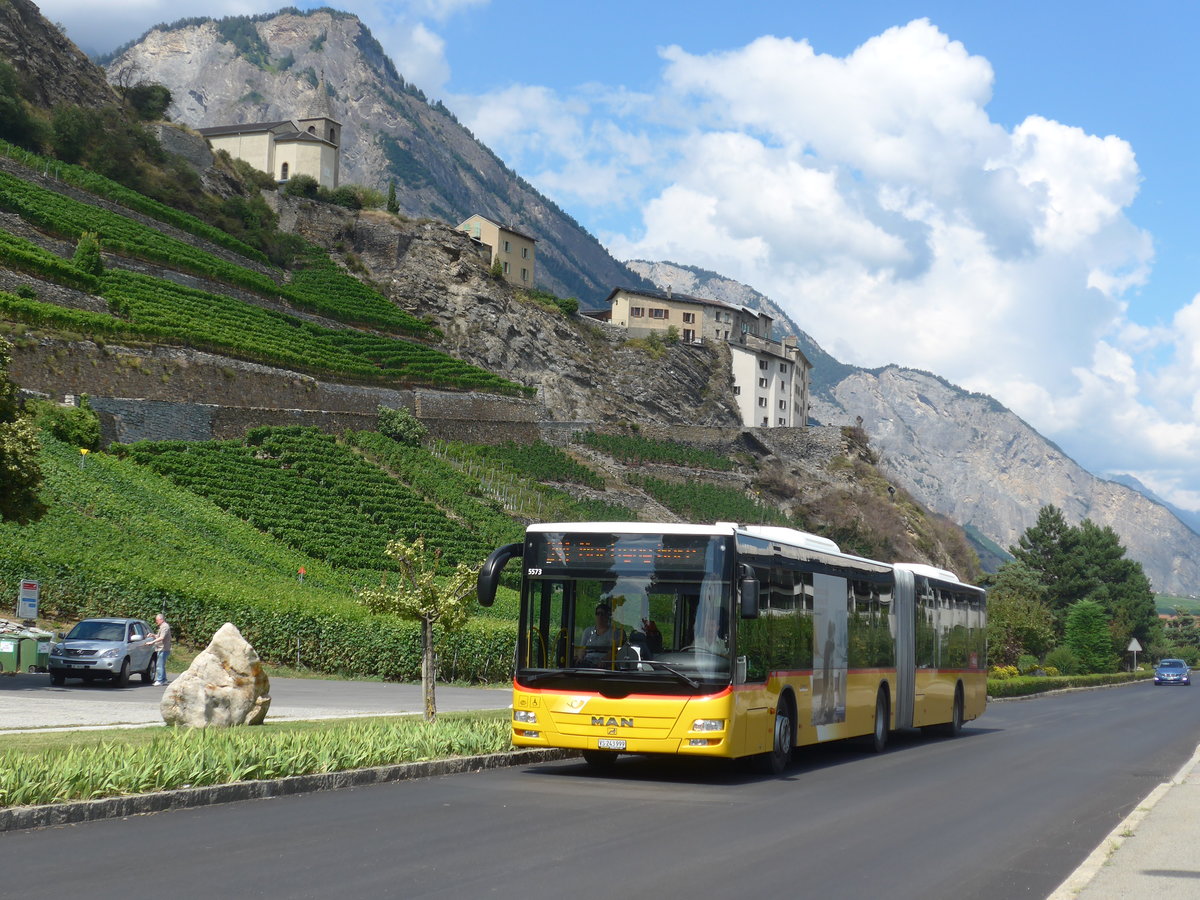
(27, 600)
(1133, 648)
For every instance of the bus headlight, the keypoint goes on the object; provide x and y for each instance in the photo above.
(524, 715)
(708, 725)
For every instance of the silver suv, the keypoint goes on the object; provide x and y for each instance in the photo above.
(104, 648)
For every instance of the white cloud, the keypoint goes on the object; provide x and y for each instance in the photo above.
(872, 196)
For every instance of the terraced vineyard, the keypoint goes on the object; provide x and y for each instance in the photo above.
(26, 256)
(313, 493)
(319, 286)
(697, 502)
(634, 449)
(105, 187)
(441, 483)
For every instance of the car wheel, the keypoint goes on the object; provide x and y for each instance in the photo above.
(783, 739)
(122, 678)
(57, 677)
(148, 673)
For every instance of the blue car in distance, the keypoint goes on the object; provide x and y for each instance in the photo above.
(1172, 671)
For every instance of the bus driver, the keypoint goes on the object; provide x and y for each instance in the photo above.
(600, 641)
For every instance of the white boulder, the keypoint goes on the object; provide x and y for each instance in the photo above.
(225, 685)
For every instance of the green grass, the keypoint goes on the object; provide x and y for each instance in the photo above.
(56, 767)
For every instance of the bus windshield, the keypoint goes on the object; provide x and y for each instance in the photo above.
(626, 611)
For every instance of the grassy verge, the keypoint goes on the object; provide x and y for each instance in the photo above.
(1026, 685)
(38, 768)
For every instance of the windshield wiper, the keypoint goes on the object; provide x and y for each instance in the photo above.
(686, 679)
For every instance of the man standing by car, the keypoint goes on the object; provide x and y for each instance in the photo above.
(162, 644)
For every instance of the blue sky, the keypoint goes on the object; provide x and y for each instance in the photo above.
(999, 193)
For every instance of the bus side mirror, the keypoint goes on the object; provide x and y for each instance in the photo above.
(489, 574)
(749, 594)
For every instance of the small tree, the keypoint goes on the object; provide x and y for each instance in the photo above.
(87, 254)
(20, 473)
(497, 269)
(418, 595)
(1019, 621)
(1088, 637)
(401, 426)
(149, 100)
(392, 205)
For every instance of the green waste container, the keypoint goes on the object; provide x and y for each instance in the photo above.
(27, 653)
(10, 649)
(43, 651)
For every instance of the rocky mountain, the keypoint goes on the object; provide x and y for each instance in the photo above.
(965, 455)
(54, 69)
(269, 68)
(1190, 519)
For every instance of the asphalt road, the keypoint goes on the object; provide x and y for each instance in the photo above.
(1006, 810)
(30, 701)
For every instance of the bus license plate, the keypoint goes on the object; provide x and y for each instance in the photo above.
(610, 744)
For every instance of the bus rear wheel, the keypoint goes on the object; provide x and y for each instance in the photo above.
(953, 728)
(879, 736)
(599, 759)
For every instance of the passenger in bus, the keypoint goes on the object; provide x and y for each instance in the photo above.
(600, 641)
(709, 636)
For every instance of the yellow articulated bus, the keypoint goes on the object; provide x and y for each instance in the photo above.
(731, 641)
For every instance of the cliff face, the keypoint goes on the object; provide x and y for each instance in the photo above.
(975, 461)
(583, 370)
(966, 456)
(271, 69)
(53, 69)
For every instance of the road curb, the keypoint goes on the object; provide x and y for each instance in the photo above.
(23, 818)
(1087, 870)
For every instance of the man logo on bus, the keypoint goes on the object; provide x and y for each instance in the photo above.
(612, 720)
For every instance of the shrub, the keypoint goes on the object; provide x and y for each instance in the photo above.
(149, 100)
(76, 426)
(87, 254)
(1027, 664)
(1023, 687)
(497, 269)
(401, 426)
(302, 186)
(1064, 660)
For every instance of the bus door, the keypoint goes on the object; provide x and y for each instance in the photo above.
(830, 651)
(904, 616)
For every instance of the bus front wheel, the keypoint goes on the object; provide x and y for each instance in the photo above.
(783, 740)
(599, 759)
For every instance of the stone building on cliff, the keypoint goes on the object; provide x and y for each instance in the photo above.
(770, 378)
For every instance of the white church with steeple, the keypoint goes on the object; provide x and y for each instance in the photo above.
(285, 149)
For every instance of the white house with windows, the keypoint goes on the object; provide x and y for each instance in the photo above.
(514, 250)
(770, 378)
